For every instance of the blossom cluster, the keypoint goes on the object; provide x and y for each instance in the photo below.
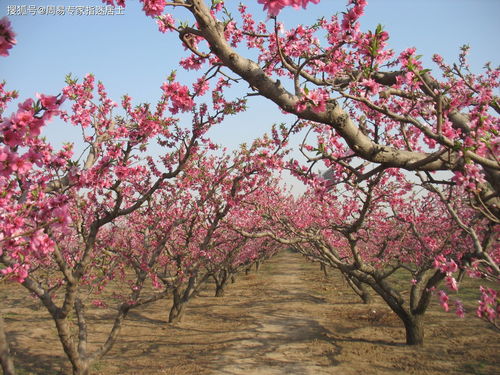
(273, 7)
(7, 36)
(25, 209)
(178, 95)
(489, 306)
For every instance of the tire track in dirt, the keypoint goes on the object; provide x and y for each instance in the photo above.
(288, 339)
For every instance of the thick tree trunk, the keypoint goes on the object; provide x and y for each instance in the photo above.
(182, 297)
(5, 357)
(414, 327)
(413, 320)
(176, 313)
(80, 365)
(220, 290)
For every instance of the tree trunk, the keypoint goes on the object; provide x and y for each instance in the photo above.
(413, 316)
(5, 357)
(181, 298)
(414, 327)
(176, 313)
(82, 368)
(359, 288)
(219, 290)
(365, 295)
(413, 322)
(323, 268)
(257, 265)
(177, 308)
(220, 282)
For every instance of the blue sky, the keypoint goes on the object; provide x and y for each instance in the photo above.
(130, 56)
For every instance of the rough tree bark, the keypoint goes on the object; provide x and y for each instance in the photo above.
(414, 328)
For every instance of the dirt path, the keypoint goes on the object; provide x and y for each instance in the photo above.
(288, 318)
(287, 330)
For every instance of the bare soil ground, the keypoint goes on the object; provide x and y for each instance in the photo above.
(286, 319)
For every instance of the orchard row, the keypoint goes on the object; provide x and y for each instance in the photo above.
(161, 223)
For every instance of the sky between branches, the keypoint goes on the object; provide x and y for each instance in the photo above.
(130, 56)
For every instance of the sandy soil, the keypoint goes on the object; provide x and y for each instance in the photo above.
(286, 319)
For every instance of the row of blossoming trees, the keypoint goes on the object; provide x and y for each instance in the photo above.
(74, 225)
(370, 232)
